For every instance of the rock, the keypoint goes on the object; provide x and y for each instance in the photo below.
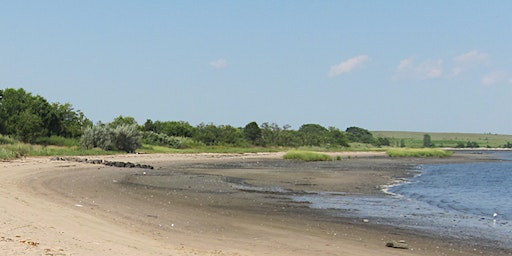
(104, 162)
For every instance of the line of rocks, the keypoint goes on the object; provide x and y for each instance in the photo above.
(104, 162)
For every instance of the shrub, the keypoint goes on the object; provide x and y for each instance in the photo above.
(124, 137)
(161, 139)
(97, 136)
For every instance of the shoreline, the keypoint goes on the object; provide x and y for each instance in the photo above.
(195, 209)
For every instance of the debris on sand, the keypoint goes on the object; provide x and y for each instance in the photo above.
(398, 244)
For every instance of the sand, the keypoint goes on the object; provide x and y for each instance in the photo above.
(200, 204)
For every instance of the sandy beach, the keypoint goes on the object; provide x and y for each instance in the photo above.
(202, 204)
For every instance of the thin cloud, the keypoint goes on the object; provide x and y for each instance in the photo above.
(494, 77)
(219, 64)
(409, 69)
(348, 65)
(469, 60)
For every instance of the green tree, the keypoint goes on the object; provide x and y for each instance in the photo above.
(427, 141)
(207, 134)
(52, 119)
(122, 120)
(313, 134)
(337, 137)
(170, 128)
(28, 126)
(381, 141)
(149, 126)
(252, 133)
(356, 134)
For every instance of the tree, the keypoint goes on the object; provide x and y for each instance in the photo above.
(313, 134)
(123, 120)
(381, 141)
(17, 106)
(356, 134)
(427, 142)
(337, 137)
(207, 134)
(252, 133)
(28, 126)
(170, 128)
(66, 122)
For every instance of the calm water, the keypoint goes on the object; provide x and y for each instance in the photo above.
(455, 200)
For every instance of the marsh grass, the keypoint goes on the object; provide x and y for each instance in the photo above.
(418, 152)
(307, 156)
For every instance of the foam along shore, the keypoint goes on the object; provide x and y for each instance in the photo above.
(188, 205)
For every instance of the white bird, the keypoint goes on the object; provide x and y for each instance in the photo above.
(494, 215)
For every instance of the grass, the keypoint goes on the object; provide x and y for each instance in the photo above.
(444, 139)
(307, 156)
(18, 150)
(205, 149)
(418, 152)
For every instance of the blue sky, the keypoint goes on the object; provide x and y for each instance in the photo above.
(381, 65)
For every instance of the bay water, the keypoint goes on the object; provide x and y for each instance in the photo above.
(467, 201)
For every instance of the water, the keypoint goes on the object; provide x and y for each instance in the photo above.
(453, 200)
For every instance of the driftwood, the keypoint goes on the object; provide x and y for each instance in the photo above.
(397, 244)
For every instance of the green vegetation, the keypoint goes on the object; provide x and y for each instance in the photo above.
(439, 139)
(418, 152)
(27, 117)
(307, 156)
(30, 125)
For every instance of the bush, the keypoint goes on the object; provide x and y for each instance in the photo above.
(161, 139)
(307, 156)
(124, 137)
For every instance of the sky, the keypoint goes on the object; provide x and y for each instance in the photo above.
(430, 66)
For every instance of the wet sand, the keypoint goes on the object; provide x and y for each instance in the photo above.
(202, 204)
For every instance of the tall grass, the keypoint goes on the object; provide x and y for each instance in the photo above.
(418, 152)
(307, 156)
(18, 150)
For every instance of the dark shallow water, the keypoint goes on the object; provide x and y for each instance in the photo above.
(469, 201)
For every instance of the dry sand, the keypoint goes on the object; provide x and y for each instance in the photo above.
(198, 204)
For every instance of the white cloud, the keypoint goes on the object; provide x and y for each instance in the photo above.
(469, 60)
(219, 64)
(409, 69)
(348, 65)
(494, 77)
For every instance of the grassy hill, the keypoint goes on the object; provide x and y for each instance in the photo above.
(441, 139)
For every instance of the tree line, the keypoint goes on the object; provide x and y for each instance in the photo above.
(31, 119)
